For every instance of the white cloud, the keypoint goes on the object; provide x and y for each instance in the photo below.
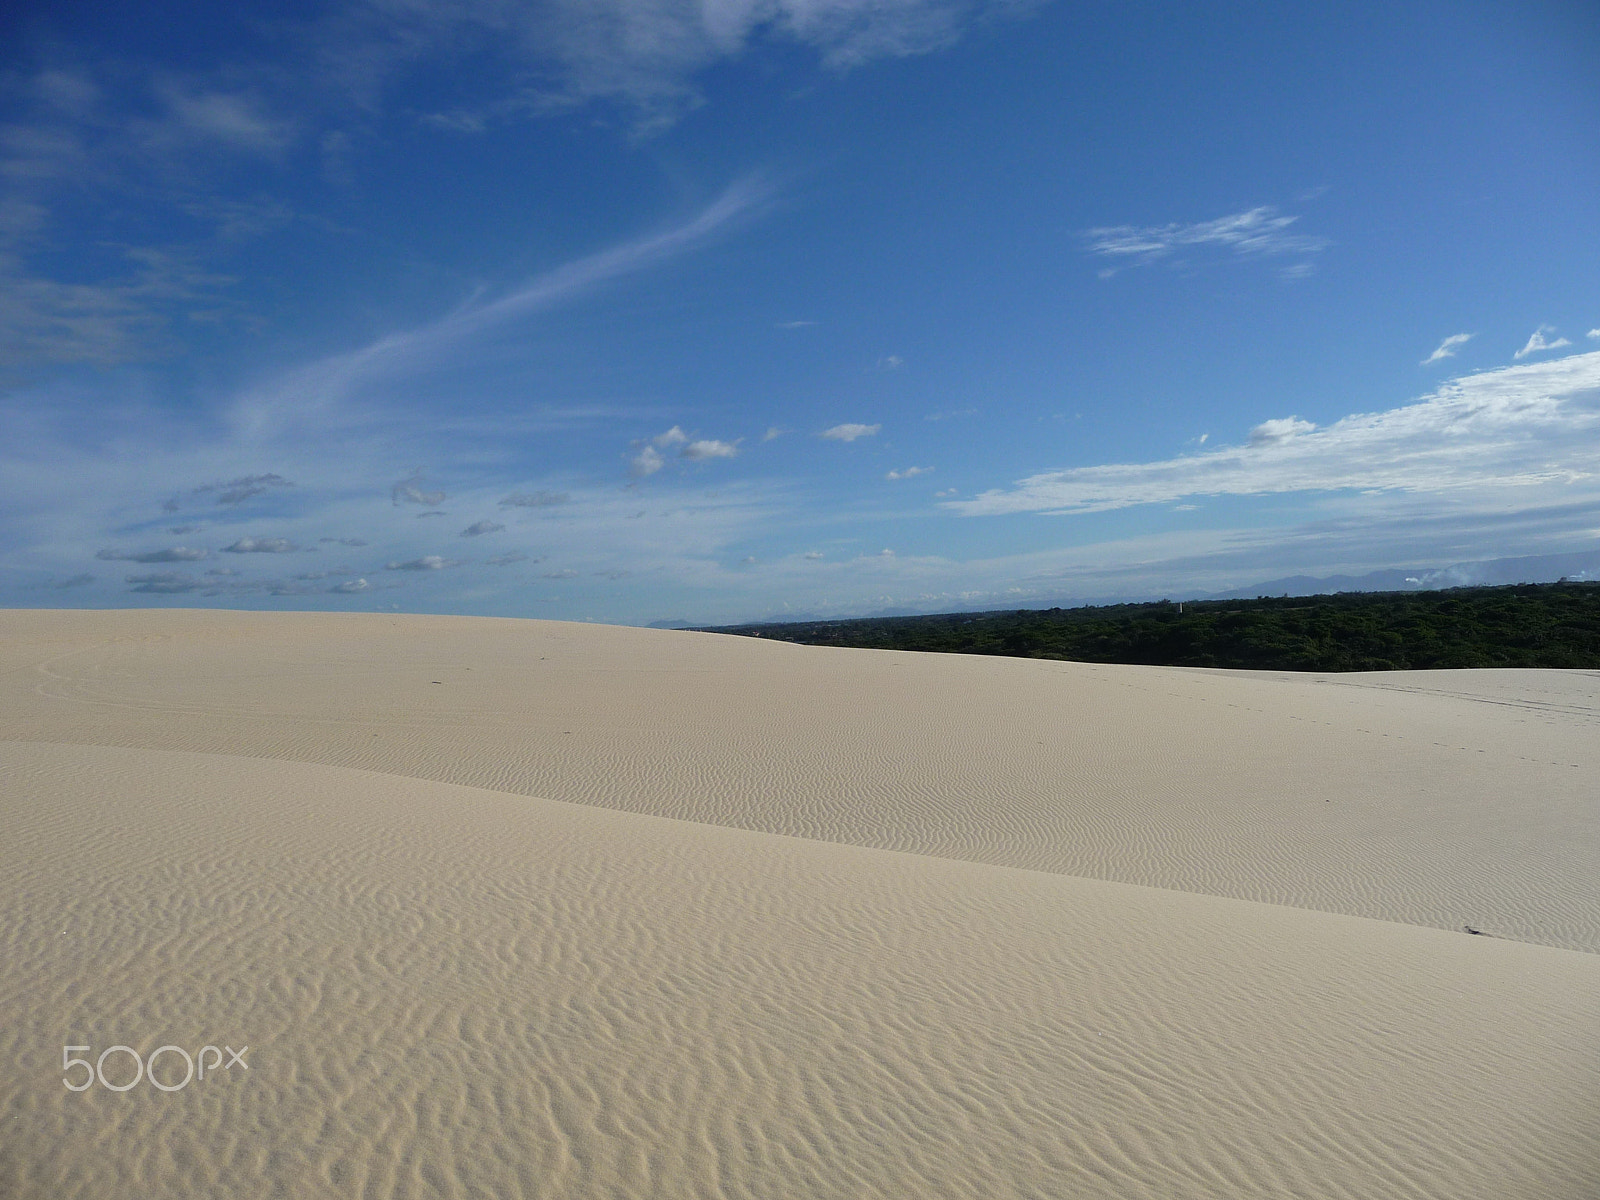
(908, 473)
(409, 491)
(271, 545)
(1278, 430)
(163, 583)
(122, 319)
(699, 451)
(237, 121)
(672, 437)
(1256, 231)
(175, 554)
(1447, 348)
(237, 491)
(479, 528)
(646, 53)
(350, 586)
(812, 555)
(1518, 426)
(773, 432)
(849, 433)
(315, 391)
(795, 324)
(1537, 342)
(647, 462)
(891, 362)
(533, 499)
(1594, 333)
(428, 562)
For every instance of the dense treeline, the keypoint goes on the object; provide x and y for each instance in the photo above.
(1527, 625)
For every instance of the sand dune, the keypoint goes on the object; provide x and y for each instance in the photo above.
(609, 912)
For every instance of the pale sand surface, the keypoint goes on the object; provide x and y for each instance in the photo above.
(277, 830)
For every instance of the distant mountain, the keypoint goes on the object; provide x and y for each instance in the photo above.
(1533, 568)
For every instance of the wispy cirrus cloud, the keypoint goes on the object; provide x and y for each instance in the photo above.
(315, 390)
(643, 53)
(540, 499)
(1261, 231)
(1448, 348)
(1517, 426)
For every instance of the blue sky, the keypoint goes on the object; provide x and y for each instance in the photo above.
(630, 311)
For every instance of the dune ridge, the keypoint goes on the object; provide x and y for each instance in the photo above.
(457, 990)
(1434, 798)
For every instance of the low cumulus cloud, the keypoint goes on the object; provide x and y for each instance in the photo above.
(163, 583)
(1448, 348)
(646, 463)
(428, 562)
(849, 432)
(479, 528)
(1538, 342)
(1280, 429)
(270, 545)
(350, 586)
(172, 555)
(1518, 426)
(709, 448)
(650, 454)
(343, 541)
(533, 499)
(908, 473)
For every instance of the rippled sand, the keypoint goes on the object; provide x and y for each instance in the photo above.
(528, 908)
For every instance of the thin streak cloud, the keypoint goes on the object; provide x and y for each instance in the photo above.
(334, 379)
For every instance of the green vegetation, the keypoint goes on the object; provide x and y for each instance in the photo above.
(1526, 625)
